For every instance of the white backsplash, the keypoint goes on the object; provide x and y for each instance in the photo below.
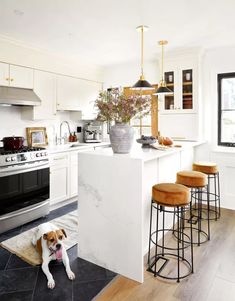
(11, 123)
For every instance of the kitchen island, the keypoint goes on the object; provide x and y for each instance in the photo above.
(114, 202)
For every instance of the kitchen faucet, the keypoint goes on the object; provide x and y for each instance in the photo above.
(60, 138)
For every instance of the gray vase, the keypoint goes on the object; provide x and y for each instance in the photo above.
(121, 138)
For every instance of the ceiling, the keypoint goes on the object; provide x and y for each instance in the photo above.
(103, 31)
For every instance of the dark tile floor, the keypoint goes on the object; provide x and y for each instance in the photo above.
(20, 281)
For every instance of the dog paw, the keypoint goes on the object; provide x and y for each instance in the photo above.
(51, 284)
(71, 275)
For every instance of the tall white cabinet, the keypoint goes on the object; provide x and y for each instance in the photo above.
(179, 111)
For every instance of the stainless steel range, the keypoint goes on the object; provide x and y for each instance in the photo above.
(24, 186)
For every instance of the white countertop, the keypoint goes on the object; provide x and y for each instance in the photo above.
(145, 154)
(77, 147)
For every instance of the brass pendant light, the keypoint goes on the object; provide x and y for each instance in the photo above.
(142, 84)
(162, 89)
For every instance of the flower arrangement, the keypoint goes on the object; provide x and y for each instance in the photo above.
(113, 105)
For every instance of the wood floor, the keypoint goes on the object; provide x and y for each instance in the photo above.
(213, 279)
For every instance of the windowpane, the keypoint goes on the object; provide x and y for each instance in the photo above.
(228, 94)
(226, 109)
(228, 126)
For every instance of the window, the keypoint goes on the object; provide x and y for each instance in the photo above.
(226, 109)
(148, 125)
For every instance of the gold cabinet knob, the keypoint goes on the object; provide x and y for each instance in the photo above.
(12, 79)
(7, 78)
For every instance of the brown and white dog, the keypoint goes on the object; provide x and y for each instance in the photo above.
(48, 241)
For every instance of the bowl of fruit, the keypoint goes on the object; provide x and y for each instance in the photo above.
(146, 141)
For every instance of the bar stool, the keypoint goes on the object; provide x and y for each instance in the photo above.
(168, 198)
(211, 170)
(196, 181)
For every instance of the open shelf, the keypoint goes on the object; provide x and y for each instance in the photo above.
(187, 89)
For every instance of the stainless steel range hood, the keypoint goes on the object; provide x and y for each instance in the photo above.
(18, 97)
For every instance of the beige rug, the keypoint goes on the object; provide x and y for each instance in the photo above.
(21, 244)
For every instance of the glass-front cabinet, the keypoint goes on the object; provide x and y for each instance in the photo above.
(183, 85)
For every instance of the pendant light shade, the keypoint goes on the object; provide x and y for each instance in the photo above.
(142, 84)
(162, 88)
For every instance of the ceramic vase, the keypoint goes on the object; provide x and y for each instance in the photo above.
(121, 138)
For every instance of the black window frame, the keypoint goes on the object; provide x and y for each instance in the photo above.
(220, 77)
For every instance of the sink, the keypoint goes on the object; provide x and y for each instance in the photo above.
(76, 145)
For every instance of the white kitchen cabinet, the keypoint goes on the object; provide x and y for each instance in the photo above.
(77, 95)
(16, 76)
(4, 74)
(73, 174)
(181, 77)
(88, 93)
(45, 88)
(21, 77)
(59, 178)
(67, 93)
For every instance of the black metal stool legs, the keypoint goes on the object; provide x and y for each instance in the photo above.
(163, 251)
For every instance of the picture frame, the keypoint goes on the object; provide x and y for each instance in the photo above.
(37, 136)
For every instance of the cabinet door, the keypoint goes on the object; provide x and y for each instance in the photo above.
(73, 174)
(21, 77)
(67, 93)
(59, 190)
(45, 88)
(88, 93)
(59, 177)
(168, 101)
(4, 74)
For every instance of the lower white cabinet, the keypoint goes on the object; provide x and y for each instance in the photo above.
(64, 174)
(59, 177)
(73, 172)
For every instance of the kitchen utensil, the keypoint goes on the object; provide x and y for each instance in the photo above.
(12, 143)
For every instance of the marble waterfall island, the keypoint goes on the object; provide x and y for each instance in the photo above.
(114, 203)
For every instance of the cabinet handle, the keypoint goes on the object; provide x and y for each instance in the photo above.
(59, 158)
(12, 79)
(7, 78)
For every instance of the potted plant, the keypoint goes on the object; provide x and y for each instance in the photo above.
(114, 105)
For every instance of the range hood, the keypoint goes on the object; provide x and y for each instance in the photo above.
(18, 97)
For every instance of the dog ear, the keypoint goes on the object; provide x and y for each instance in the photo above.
(64, 232)
(45, 236)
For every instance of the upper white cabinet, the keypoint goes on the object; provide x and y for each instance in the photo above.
(16, 76)
(67, 93)
(77, 95)
(89, 92)
(45, 88)
(4, 74)
(182, 78)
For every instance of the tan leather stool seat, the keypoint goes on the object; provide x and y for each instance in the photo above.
(191, 179)
(170, 194)
(205, 167)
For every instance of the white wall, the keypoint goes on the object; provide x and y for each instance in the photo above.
(127, 74)
(11, 122)
(215, 61)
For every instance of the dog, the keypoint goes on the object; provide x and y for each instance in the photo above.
(48, 241)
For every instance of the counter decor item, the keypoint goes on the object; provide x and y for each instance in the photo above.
(146, 141)
(165, 141)
(113, 105)
(36, 136)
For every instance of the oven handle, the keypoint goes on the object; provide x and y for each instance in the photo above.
(5, 171)
(19, 212)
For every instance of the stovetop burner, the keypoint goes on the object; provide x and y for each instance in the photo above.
(25, 149)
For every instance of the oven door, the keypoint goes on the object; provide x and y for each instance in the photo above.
(24, 193)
